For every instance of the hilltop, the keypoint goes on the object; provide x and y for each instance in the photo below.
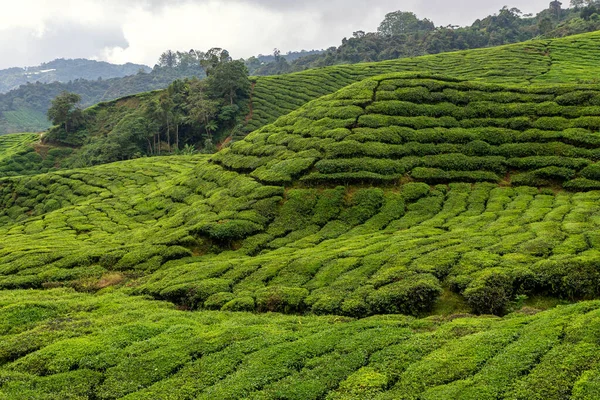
(412, 229)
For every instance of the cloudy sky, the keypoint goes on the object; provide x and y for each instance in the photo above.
(119, 31)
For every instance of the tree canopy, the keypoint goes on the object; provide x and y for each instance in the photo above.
(402, 23)
(65, 111)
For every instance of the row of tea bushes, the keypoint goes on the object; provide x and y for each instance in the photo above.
(431, 129)
(59, 344)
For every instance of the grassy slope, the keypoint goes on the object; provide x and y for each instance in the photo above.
(244, 231)
(22, 154)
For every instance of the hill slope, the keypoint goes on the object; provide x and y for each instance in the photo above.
(570, 59)
(59, 344)
(405, 193)
(550, 61)
(297, 242)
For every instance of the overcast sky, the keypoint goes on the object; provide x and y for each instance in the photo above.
(120, 31)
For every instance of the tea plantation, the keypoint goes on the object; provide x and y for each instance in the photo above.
(58, 344)
(572, 59)
(390, 235)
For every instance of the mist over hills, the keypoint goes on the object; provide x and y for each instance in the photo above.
(65, 70)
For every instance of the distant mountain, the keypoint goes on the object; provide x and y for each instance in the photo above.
(61, 70)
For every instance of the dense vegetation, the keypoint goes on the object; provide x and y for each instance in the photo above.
(403, 34)
(189, 114)
(412, 229)
(571, 59)
(435, 130)
(126, 128)
(487, 243)
(24, 109)
(58, 344)
(62, 70)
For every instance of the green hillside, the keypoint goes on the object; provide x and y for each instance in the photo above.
(431, 129)
(393, 235)
(541, 61)
(570, 59)
(22, 154)
(58, 344)
(266, 219)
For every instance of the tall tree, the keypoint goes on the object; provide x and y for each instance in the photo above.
(200, 109)
(556, 8)
(167, 106)
(213, 58)
(65, 110)
(577, 4)
(230, 81)
(402, 23)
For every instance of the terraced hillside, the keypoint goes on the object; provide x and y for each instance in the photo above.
(434, 130)
(342, 252)
(562, 60)
(262, 226)
(18, 155)
(571, 59)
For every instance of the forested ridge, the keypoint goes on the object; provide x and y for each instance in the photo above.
(404, 34)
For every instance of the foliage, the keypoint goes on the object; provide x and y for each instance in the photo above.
(402, 34)
(413, 193)
(58, 344)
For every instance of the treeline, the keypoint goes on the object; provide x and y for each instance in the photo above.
(190, 115)
(403, 34)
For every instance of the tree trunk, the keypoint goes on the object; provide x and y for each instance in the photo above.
(177, 136)
(168, 134)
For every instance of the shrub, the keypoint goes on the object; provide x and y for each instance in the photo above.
(218, 300)
(281, 299)
(227, 230)
(490, 293)
(412, 295)
(364, 204)
(245, 303)
(592, 172)
(573, 278)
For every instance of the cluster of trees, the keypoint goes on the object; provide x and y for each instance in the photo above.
(194, 111)
(190, 114)
(403, 34)
(276, 63)
(37, 97)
